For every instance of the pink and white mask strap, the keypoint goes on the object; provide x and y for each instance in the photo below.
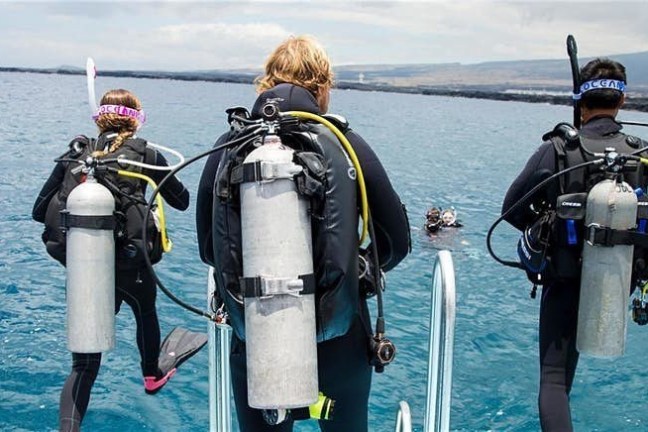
(120, 110)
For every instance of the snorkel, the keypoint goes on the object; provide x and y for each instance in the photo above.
(91, 75)
(572, 51)
(140, 116)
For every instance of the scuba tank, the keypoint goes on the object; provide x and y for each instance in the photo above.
(90, 269)
(278, 282)
(606, 270)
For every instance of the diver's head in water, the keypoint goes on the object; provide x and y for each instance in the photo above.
(300, 60)
(433, 214)
(120, 111)
(449, 217)
(602, 88)
(433, 220)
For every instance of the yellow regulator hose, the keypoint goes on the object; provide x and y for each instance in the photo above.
(354, 159)
(167, 245)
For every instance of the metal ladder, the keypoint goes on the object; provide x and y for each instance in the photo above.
(441, 348)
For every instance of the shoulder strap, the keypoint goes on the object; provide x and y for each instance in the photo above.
(561, 156)
(565, 138)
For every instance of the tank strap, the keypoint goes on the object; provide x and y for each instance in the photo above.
(106, 222)
(604, 236)
(259, 170)
(260, 286)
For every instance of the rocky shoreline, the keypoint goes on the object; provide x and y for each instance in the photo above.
(632, 103)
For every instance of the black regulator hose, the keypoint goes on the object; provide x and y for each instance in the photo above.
(572, 51)
(380, 314)
(521, 201)
(253, 134)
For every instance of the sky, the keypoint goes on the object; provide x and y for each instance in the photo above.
(199, 35)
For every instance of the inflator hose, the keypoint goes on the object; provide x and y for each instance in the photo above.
(167, 245)
(354, 158)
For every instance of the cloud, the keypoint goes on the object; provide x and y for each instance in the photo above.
(182, 35)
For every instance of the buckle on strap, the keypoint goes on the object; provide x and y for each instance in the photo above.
(264, 171)
(597, 235)
(261, 286)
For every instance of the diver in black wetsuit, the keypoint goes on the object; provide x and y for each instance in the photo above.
(135, 286)
(298, 76)
(433, 221)
(561, 289)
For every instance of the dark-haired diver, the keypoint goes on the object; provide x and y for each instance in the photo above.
(433, 220)
(601, 95)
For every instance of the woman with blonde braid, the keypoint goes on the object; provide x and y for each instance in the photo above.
(118, 118)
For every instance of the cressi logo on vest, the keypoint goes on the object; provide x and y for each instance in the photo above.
(130, 202)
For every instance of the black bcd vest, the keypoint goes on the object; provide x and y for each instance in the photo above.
(334, 225)
(130, 203)
(568, 226)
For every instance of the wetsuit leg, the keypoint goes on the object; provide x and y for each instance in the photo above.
(137, 288)
(75, 395)
(249, 419)
(558, 355)
(345, 377)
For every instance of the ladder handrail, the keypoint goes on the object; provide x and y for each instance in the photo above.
(404, 418)
(220, 416)
(441, 347)
(441, 350)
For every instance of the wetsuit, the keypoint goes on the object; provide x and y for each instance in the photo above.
(135, 287)
(559, 303)
(343, 359)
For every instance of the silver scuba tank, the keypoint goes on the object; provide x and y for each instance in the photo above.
(606, 272)
(280, 331)
(90, 258)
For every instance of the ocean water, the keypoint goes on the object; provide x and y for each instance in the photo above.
(438, 151)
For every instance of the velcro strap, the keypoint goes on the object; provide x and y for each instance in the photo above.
(106, 222)
(260, 286)
(245, 173)
(604, 236)
(260, 170)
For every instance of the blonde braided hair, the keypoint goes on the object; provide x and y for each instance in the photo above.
(124, 126)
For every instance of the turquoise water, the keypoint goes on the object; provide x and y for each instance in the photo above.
(438, 151)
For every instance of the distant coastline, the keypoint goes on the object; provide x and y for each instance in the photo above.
(465, 91)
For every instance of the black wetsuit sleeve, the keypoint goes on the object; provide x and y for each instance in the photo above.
(173, 191)
(50, 188)
(204, 204)
(540, 166)
(387, 212)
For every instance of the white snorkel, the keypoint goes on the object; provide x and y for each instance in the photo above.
(91, 75)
